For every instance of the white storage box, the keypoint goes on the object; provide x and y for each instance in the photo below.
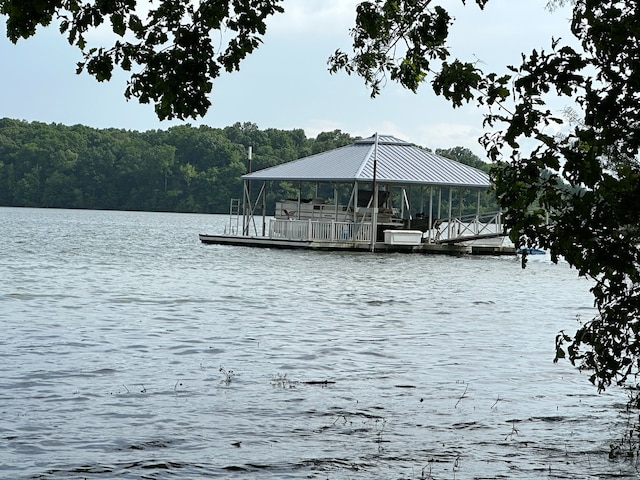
(402, 237)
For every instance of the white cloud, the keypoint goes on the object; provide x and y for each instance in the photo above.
(449, 135)
(317, 18)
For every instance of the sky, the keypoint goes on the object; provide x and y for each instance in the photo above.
(285, 84)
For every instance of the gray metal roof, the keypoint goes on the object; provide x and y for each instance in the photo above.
(398, 162)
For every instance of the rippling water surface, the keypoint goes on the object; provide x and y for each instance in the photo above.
(130, 350)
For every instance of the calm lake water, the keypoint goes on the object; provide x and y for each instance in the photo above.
(131, 350)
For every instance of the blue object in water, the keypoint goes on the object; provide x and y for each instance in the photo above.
(531, 251)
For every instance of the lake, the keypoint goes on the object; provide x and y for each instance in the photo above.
(131, 350)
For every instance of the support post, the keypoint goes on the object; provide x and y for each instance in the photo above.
(449, 220)
(247, 184)
(264, 209)
(355, 202)
(430, 214)
(245, 223)
(374, 215)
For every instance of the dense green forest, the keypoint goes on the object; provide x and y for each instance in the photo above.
(182, 169)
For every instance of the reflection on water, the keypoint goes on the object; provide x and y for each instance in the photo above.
(120, 332)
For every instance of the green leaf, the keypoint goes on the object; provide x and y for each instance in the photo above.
(118, 24)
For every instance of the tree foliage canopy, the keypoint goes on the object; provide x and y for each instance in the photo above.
(173, 48)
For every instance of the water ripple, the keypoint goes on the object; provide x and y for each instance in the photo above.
(118, 328)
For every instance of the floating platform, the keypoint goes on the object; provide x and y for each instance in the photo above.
(475, 247)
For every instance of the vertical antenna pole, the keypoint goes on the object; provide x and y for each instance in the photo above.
(374, 214)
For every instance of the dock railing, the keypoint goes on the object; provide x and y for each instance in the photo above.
(458, 229)
(320, 231)
(469, 227)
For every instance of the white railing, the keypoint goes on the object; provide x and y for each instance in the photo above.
(457, 229)
(470, 226)
(320, 231)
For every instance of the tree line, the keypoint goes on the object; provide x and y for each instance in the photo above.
(181, 169)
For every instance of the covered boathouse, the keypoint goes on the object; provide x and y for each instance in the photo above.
(378, 194)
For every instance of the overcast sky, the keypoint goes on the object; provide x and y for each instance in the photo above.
(285, 83)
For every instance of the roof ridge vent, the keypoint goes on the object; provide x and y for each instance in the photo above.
(383, 140)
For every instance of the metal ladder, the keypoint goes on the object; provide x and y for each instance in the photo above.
(234, 216)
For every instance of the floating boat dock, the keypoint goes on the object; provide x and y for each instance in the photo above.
(300, 234)
(369, 196)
